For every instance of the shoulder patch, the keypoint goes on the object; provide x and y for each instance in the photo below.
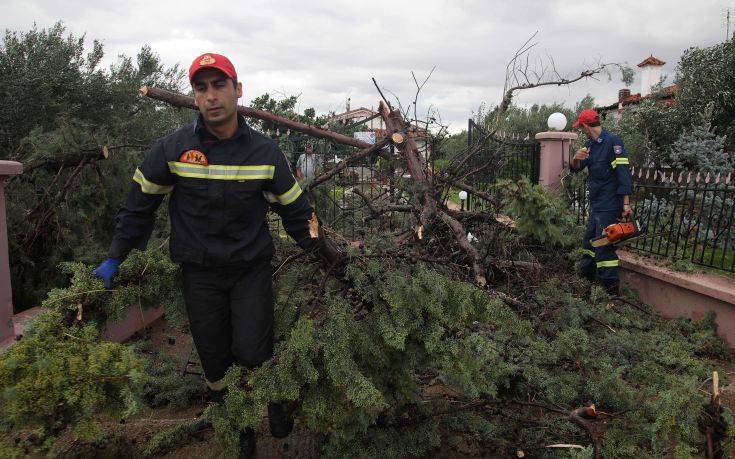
(618, 149)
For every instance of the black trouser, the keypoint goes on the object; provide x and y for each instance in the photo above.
(230, 314)
(602, 261)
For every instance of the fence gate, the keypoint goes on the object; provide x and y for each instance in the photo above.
(499, 158)
(509, 158)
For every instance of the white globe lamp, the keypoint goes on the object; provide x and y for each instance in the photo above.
(557, 122)
(462, 199)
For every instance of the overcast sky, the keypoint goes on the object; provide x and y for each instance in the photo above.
(327, 51)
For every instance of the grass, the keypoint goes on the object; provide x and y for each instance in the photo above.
(686, 260)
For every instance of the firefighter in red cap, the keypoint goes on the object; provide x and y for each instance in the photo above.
(221, 177)
(609, 187)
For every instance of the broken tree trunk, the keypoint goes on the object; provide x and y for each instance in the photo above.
(180, 100)
(424, 178)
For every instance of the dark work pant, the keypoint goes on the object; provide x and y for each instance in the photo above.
(600, 261)
(230, 315)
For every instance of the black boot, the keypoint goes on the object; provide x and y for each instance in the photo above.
(280, 422)
(247, 444)
(612, 289)
(217, 396)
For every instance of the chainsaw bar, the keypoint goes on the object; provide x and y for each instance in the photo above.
(600, 241)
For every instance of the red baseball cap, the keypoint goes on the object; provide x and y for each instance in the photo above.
(215, 61)
(588, 116)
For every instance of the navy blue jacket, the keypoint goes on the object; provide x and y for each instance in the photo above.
(219, 195)
(609, 174)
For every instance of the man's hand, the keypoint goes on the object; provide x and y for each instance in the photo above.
(627, 211)
(320, 245)
(107, 270)
(329, 252)
(581, 154)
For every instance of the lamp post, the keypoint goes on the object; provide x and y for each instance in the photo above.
(555, 145)
(462, 199)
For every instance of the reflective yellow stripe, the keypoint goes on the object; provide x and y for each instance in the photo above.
(221, 172)
(291, 195)
(619, 161)
(148, 187)
(588, 252)
(608, 264)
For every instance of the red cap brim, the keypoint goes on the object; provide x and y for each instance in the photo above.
(191, 79)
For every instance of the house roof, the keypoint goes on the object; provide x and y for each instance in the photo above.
(665, 96)
(415, 131)
(355, 113)
(650, 60)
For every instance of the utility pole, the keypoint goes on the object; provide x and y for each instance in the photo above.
(728, 15)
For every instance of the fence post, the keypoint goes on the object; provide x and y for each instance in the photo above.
(554, 157)
(7, 169)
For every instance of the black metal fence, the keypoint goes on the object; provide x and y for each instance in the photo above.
(499, 158)
(687, 215)
(341, 202)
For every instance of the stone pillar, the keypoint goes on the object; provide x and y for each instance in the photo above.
(555, 149)
(7, 170)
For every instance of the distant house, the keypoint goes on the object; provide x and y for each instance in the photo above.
(370, 118)
(650, 76)
(371, 127)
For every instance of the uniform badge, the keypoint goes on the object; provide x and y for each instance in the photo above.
(194, 157)
(618, 149)
(206, 60)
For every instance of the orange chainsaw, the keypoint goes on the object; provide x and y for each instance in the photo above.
(618, 232)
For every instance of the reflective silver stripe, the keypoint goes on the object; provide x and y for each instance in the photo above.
(148, 187)
(221, 172)
(291, 195)
(588, 252)
(608, 264)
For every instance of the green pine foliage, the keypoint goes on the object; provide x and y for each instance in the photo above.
(538, 214)
(58, 376)
(167, 386)
(62, 374)
(382, 365)
(170, 438)
(700, 149)
(146, 278)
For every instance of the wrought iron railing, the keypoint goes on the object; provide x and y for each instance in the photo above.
(498, 158)
(341, 201)
(686, 215)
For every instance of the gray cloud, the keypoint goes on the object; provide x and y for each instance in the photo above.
(328, 50)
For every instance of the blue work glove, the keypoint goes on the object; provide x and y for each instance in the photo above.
(107, 270)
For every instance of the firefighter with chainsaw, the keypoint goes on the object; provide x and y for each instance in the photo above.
(221, 177)
(609, 187)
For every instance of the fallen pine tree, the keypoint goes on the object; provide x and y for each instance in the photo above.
(400, 353)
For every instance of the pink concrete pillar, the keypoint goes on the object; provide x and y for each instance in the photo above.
(555, 147)
(7, 169)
